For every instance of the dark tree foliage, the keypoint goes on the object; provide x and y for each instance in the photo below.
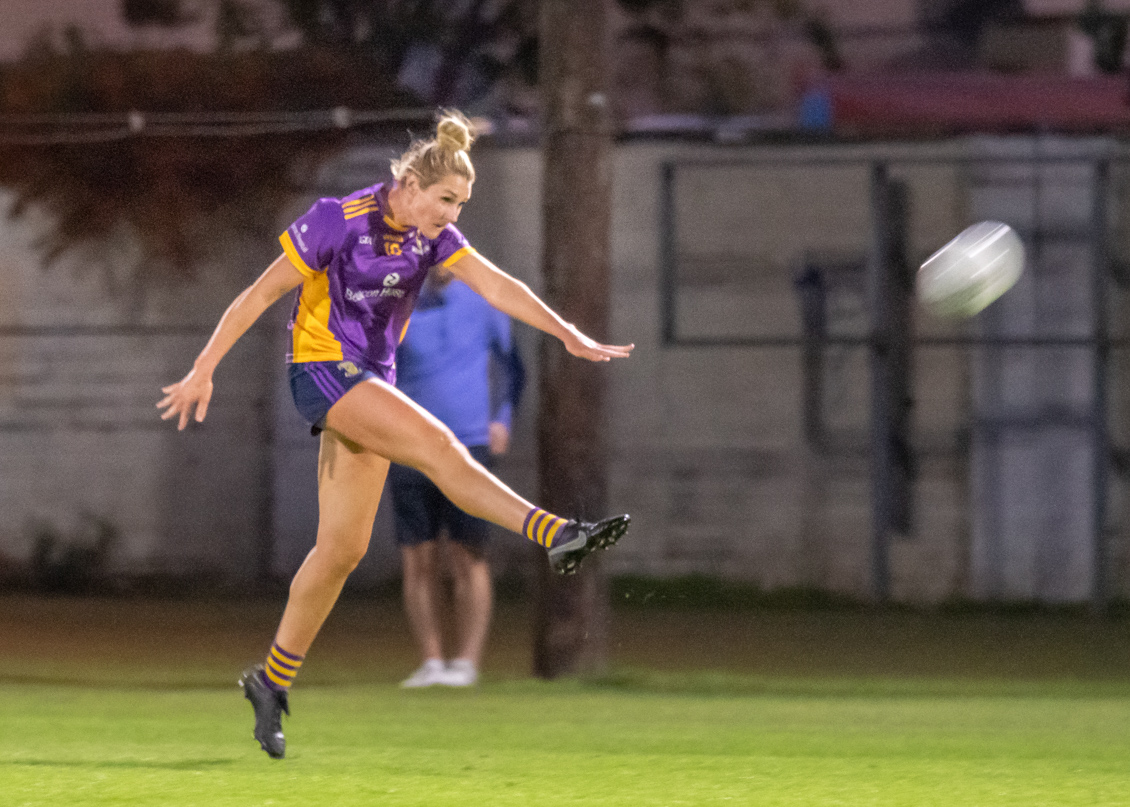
(352, 55)
(164, 187)
(1108, 32)
(155, 12)
(473, 41)
(966, 19)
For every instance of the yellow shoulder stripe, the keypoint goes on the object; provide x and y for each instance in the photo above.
(364, 200)
(458, 256)
(295, 258)
(361, 211)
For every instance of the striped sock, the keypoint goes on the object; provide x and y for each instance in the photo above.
(542, 527)
(280, 669)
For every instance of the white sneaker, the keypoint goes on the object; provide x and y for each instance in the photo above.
(460, 673)
(430, 673)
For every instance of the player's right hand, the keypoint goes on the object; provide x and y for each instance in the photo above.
(191, 392)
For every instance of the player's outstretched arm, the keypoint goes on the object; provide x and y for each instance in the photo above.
(511, 296)
(190, 395)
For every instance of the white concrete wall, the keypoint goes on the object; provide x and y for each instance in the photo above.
(79, 434)
(708, 452)
(707, 447)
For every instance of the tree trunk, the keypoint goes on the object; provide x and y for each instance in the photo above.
(571, 627)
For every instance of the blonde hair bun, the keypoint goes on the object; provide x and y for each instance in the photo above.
(453, 132)
(432, 160)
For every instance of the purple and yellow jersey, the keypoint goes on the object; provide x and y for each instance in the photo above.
(363, 273)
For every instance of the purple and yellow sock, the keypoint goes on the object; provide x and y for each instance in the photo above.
(542, 527)
(280, 669)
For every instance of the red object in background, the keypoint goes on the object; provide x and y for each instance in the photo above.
(951, 103)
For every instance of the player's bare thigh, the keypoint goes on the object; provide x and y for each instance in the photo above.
(379, 417)
(350, 481)
(385, 421)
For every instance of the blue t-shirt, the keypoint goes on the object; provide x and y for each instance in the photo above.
(444, 361)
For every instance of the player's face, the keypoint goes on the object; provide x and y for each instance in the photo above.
(432, 208)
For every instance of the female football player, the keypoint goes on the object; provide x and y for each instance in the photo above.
(360, 262)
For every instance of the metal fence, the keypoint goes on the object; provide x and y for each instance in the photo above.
(853, 305)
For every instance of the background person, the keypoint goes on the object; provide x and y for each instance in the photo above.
(454, 341)
(361, 262)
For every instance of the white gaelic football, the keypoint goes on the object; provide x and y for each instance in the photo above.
(971, 271)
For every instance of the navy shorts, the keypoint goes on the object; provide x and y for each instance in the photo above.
(318, 385)
(421, 509)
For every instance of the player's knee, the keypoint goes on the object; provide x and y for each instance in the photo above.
(444, 453)
(342, 556)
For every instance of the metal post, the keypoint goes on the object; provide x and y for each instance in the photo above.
(890, 287)
(1101, 356)
(880, 413)
(811, 289)
(668, 243)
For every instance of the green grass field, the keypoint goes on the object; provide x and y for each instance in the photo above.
(133, 702)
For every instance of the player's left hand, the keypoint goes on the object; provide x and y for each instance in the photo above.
(580, 345)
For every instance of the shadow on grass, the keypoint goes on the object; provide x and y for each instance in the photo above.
(136, 681)
(181, 765)
(726, 684)
(693, 592)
